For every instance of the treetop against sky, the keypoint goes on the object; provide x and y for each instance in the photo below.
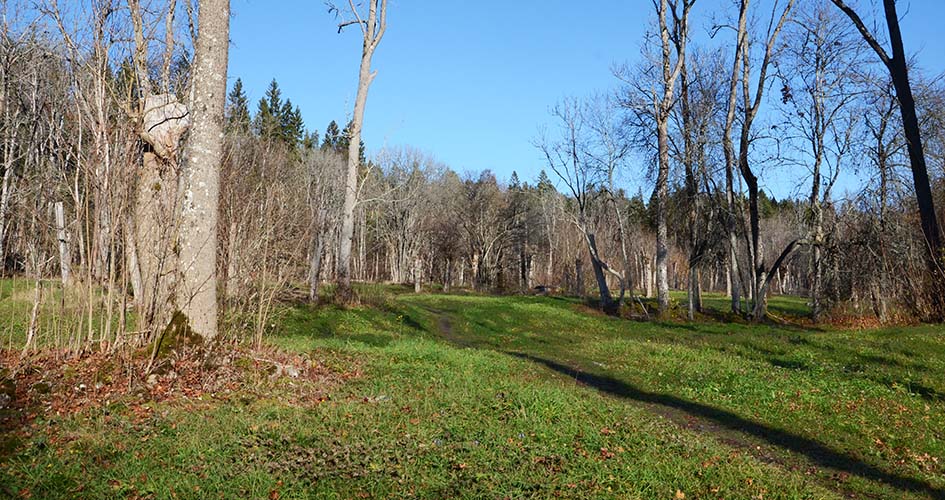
(472, 82)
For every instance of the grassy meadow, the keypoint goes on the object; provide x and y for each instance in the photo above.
(466, 396)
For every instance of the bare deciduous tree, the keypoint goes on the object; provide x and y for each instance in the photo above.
(197, 294)
(898, 68)
(372, 31)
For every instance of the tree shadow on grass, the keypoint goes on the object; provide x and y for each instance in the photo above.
(814, 451)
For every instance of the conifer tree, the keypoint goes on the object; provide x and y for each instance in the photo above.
(237, 118)
(291, 126)
(544, 183)
(332, 140)
(310, 140)
(514, 182)
(268, 114)
(346, 142)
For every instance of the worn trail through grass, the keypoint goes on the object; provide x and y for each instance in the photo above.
(769, 444)
(523, 397)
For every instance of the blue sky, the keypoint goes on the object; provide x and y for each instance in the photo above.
(470, 82)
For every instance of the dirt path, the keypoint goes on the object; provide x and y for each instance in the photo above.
(445, 327)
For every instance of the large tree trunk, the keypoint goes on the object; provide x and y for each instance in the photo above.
(662, 234)
(6, 189)
(761, 301)
(155, 220)
(197, 293)
(728, 149)
(759, 273)
(920, 177)
(373, 30)
(606, 300)
(817, 264)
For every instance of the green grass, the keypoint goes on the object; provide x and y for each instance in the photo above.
(63, 314)
(478, 397)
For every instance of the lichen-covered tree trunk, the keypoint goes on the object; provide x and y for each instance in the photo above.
(197, 292)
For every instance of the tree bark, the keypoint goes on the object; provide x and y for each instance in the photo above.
(373, 30)
(65, 255)
(664, 105)
(606, 300)
(662, 234)
(315, 266)
(579, 278)
(197, 293)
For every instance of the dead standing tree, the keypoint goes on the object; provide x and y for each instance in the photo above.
(372, 30)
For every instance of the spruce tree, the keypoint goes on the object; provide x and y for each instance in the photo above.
(298, 125)
(290, 124)
(514, 183)
(346, 141)
(310, 140)
(237, 117)
(332, 140)
(268, 115)
(543, 183)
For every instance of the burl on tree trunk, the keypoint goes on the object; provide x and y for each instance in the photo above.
(156, 209)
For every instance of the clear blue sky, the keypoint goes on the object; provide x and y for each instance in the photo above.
(469, 82)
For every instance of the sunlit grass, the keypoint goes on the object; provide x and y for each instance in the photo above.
(473, 396)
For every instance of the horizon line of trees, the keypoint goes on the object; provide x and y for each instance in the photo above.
(100, 204)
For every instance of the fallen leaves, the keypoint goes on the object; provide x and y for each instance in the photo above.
(53, 383)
